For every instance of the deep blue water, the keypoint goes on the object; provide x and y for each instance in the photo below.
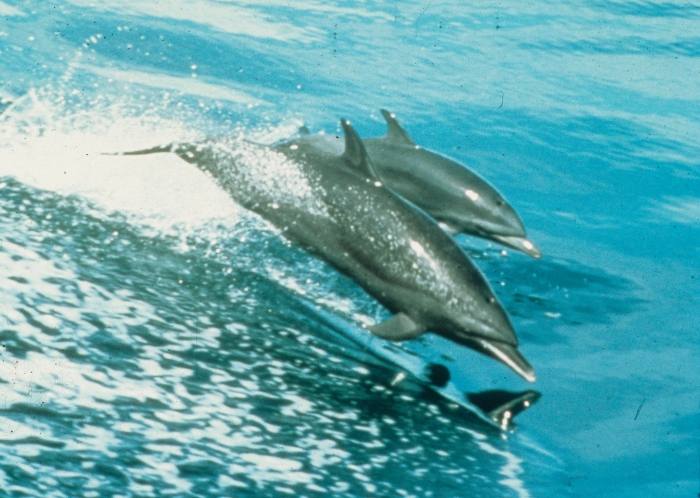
(152, 336)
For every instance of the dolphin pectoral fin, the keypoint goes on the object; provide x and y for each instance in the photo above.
(519, 243)
(399, 327)
(303, 131)
(395, 133)
(501, 406)
(355, 153)
(510, 356)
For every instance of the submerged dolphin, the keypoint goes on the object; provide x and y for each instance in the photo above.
(336, 207)
(459, 199)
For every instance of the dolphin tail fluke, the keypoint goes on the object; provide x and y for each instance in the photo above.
(501, 406)
(395, 132)
(152, 150)
(399, 327)
(509, 355)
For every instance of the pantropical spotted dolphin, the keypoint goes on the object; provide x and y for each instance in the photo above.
(336, 207)
(459, 199)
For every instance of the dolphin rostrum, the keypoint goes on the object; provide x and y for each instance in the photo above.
(336, 207)
(459, 199)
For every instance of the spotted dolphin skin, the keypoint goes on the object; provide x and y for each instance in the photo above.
(459, 199)
(337, 208)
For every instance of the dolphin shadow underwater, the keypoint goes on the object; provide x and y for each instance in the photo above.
(337, 208)
(456, 197)
(496, 407)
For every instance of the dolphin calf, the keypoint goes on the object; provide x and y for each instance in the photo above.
(459, 199)
(337, 208)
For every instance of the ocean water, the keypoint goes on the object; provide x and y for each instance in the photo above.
(154, 337)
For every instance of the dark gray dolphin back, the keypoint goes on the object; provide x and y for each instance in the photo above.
(335, 207)
(459, 199)
(396, 251)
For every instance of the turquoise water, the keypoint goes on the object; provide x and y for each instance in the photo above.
(152, 337)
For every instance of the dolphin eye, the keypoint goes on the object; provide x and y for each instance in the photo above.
(490, 299)
(499, 203)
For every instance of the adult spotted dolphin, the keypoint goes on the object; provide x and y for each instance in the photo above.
(336, 207)
(459, 199)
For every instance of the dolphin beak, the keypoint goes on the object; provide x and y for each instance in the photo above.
(509, 355)
(519, 243)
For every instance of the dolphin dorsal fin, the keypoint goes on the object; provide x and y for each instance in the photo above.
(303, 131)
(355, 153)
(395, 133)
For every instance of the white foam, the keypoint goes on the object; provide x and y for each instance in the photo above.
(511, 469)
(267, 462)
(226, 17)
(160, 190)
(7, 10)
(186, 85)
